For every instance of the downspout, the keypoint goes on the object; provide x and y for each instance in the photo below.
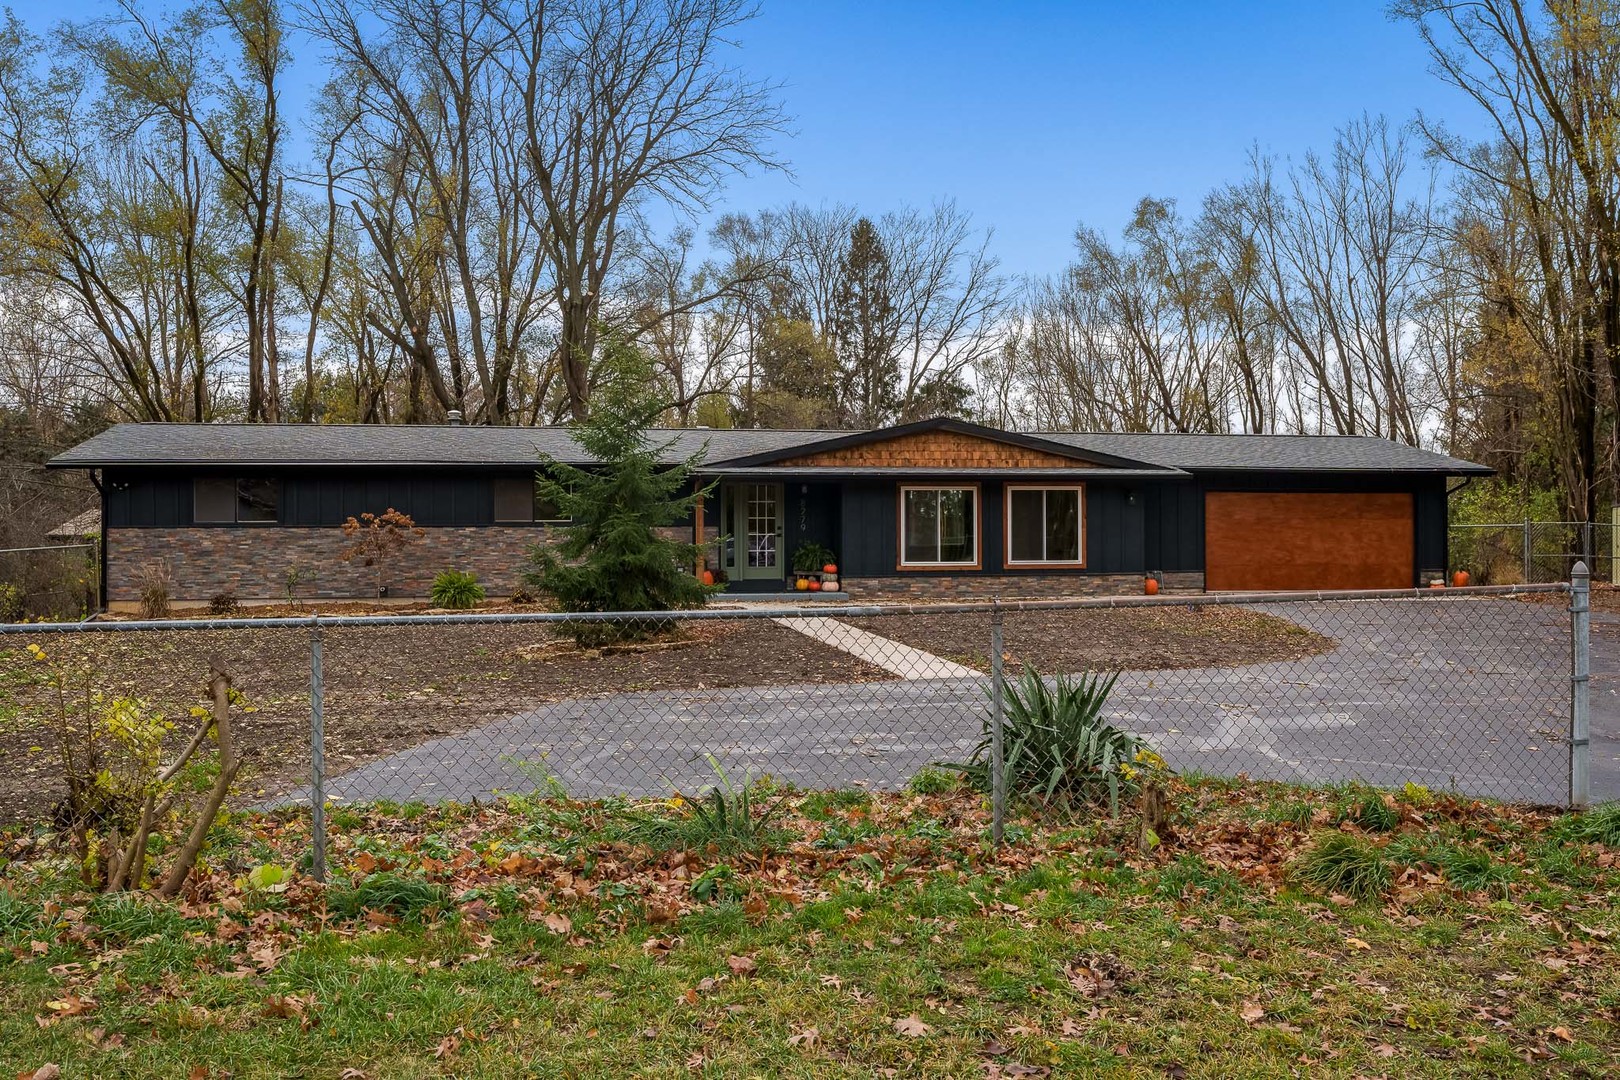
(101, 544)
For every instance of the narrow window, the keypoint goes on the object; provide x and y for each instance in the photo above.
(1043, 526)
(256, 500)
(939, 526)
(518, 501)
(514, 499)
(214, 502)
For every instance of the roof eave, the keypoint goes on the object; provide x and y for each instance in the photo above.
(938, 423)
(812, 472)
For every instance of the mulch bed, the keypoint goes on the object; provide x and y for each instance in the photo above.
(1107, 639)
(387, 687)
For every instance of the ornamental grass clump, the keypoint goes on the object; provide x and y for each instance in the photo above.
(456, 589)
(1599, 825)
(1059, 749)
(1344, 863)
(728, 817)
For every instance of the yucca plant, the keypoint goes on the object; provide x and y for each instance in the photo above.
(457, 589)
(1058, 748)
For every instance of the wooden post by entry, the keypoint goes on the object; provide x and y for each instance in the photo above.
(697, 532)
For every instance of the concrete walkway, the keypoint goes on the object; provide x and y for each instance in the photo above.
(886, 653)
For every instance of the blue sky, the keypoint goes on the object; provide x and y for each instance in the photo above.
(1036, 116)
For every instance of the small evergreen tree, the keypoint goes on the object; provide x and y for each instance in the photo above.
(612, 556)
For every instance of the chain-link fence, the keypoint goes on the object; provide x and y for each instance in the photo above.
(1459, 689)
(1532, 552)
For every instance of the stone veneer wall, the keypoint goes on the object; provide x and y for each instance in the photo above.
(252, 563)
(1014, 586)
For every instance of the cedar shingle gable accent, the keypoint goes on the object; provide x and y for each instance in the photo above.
(938, 450)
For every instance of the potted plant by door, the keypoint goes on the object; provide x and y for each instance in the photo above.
(810, 558)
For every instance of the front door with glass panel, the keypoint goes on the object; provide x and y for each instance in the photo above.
(756, 528)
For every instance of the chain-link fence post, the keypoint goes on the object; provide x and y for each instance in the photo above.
(1528, 544)
(317, 753)
(1580, 634)
(998, 763)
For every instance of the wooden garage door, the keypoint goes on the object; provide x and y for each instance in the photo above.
(1300, 540)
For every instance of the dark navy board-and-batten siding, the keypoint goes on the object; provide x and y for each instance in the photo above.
(1115, 530)
(163, 499)
(1162, 529)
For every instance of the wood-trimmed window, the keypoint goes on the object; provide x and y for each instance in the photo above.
(1045, 525)
(518, 502)
(939, 527)
(233, 500)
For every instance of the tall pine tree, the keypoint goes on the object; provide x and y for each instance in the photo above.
(612, 556)
(866, 331)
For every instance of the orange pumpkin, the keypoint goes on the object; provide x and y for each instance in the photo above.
(708, 577)
(802, 584)
(1460, 579)
(1437, 584)
(815, 586)
(1151, 586)
(830, 568)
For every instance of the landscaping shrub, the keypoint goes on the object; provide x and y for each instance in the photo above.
(931, 780)
(125, 796)
(457, 589)
(291, 581)
(156, 582)
(11, 602)
(377, 540)
(1058, 747)
(224, 603)
(1344, 863)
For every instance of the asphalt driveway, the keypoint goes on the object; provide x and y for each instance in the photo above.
(1468, 695)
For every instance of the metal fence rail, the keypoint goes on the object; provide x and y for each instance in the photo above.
(1479, 690)
(1532, 551)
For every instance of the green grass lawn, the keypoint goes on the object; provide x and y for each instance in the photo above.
(864, 936)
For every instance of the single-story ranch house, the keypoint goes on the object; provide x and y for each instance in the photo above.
(939, 507)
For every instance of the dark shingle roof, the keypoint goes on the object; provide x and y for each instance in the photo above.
(1297, 453)
(381, 444)
(432, 445)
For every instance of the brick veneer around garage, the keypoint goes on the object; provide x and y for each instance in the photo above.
(253, 563)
